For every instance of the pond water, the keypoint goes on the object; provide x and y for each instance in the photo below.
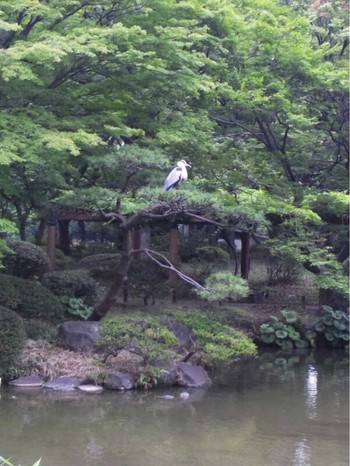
(271, 411)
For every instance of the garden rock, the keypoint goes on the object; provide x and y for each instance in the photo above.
(192, 376)
(29, 381)
(119, 381)
(184, 335)
(79, 336)
(64, 383)
(93, 389)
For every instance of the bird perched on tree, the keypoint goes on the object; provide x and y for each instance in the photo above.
(177, 175)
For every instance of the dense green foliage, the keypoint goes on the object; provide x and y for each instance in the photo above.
(98, 101)
(76, 307)
(72, 283)
(333, 325)
(217, 342)
(146, 336)
(287, 332)
(29, 298)
(331, 328)
(223, 285)
(25, 260)
(12, 338)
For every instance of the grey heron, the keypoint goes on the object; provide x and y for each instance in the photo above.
(177, 175)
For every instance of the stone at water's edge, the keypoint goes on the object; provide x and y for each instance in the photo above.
(90, 388)
(185, 375)
(119, 381)
(192, 376)
(64, 383)
(79, 336)
(29, 381)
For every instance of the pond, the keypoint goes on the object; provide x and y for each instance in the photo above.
(273, 411)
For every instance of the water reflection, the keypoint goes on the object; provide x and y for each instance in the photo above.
(275, 410)
(311, 392)
(302, 454)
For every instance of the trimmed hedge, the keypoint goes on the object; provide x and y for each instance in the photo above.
(73, 283)
(26, 261)
(29, 298)
(12, 338)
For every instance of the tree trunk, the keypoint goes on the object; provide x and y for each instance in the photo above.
(245, 254)
(120, 277)
(229, 237)
(22, 221)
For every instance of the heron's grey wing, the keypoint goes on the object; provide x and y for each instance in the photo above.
(173, 179)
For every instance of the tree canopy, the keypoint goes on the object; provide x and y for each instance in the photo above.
(99, 98)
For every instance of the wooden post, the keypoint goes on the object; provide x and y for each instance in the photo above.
(173, 249)
(245, 254)
(63, 236)
(136, 241)
(51, 245)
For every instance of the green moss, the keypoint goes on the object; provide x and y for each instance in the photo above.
(29, 298)
(146, 336)
(219, 342)
(12, 338)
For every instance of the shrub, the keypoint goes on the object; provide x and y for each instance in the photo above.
(223, 285)
(72, 283)
(189, 244)
(286, 333)
(148, 280)
(282, 270)
(145, 335)
(26, 260)
(12, 338)
(217, 342)
(209, 259)
(333, 326)
(101, 265)
(28, 298)
(76, 307)
(37, 329)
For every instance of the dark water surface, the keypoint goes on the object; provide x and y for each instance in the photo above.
(267, 412)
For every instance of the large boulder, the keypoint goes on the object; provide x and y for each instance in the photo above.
(29, 381)
(184, 335)
(185, 375)
(192, 376)
(119, 381)
(78, 335)
(64, 383)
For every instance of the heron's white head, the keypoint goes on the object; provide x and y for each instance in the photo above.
(183, 163)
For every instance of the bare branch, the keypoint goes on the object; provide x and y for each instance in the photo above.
(225, 121)
(152, 255)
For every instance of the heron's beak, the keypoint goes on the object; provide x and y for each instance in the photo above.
(188, 165)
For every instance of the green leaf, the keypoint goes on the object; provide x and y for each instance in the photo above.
(266, 328)
(294, 336)
(281, 334)
(290, 316)
(268, 338)
(328, 320)
(329, 336)
(301, 344)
